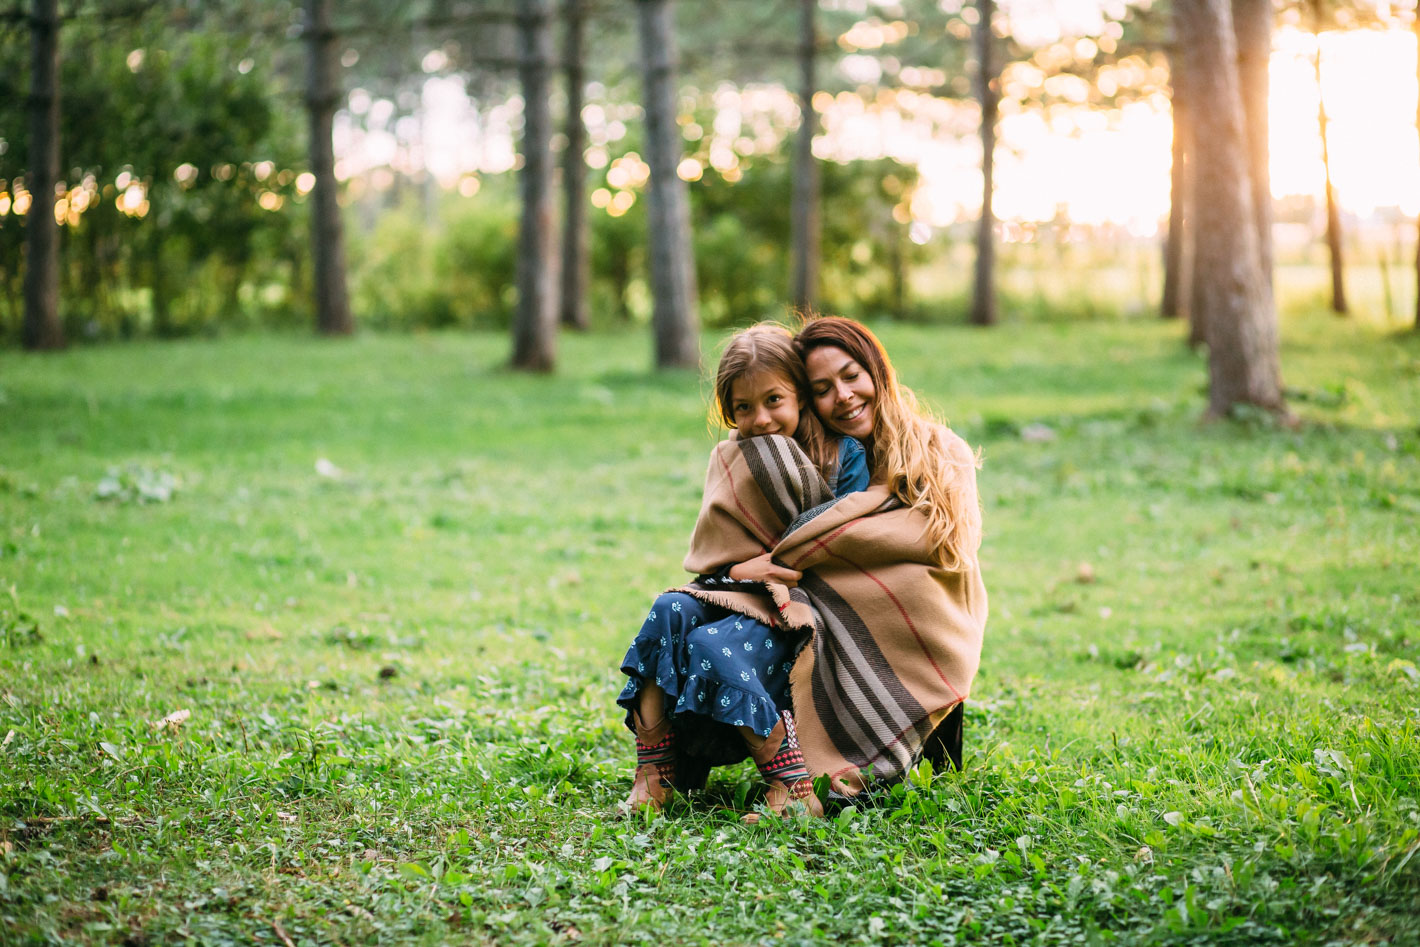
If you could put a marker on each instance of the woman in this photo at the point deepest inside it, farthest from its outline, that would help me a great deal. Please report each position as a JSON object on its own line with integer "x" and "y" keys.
{"x": 917, "y": 637}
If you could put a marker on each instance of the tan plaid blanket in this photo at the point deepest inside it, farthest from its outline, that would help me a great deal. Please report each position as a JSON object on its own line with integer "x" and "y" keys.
{"x": 895, "y": 640}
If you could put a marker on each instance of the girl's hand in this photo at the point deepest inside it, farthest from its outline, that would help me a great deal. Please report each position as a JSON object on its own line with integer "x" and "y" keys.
{"x": 763, "y": 569}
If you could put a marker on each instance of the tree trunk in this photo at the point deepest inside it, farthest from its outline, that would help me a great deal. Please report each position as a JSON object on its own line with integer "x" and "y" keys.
{"x": 1333, "y": 213}
{"x": 1229, "y": 291}
{"x": 983, "y": 298}
{"x": 535, "y": 324}
{"x": 327, "y": 231}
{"x": 42, "y": 328}
{"x": 805, "y": 215}
{"x": 161, "y": 298}
{"x": 1178, "y": 250}
{"x": 672, "y": 264}
{"x": 574, "y": 174}
{"x": 1252, "y": 24}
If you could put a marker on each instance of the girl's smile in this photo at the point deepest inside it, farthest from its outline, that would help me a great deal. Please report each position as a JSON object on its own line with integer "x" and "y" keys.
{"x": 844, "y": 394}
{"x": 764, "y": 403}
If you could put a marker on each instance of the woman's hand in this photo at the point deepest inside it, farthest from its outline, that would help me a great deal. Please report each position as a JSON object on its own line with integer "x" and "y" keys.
{"x": 763, "y": 569}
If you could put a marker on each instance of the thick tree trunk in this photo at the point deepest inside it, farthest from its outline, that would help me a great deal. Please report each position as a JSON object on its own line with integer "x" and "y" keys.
{"x": 983, "y": 297}
{"x": 1230, "y": 292}
{"x": 1178, "y": 251}
{"x": 327, "y": 232}
{"x": 1252, "y": 24}
{"x": 805, "y": 217}
{"x": 41, "y": 328}
{"x": 574, "y": 174}
{"x": 535, "y": 324}
{"x": 672, "y": 264}
{"x": 1333, "y": 213}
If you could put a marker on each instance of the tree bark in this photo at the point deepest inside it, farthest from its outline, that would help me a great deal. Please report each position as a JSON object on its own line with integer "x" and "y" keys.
{"x": 1230, "y": 291}
{"x": 327, "y": 231}
{"x": 535, "y": 324}
{"x": 1252, "y": 24}
{"x": 805, "y": 215}
{"x": 1333, "y": 213}
{"x": 672, "y": 264}
{"x": 1178, "y": 250}
{"x": 983, "y": 298}
{"x": 42, "y": 328}
{"x": 574, "y": 311}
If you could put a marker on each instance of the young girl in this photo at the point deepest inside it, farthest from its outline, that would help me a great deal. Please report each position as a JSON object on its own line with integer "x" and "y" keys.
{"x": 708, "y": 683}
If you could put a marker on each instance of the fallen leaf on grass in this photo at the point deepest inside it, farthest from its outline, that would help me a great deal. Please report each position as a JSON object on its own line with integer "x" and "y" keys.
{"x": 264, "y": 633}
{"x": 1085, "y": 574}
{"x": 173, "y": 720}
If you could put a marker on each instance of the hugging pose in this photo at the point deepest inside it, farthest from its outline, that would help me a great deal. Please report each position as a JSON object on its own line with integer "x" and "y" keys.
{"x": 837, "y": 615}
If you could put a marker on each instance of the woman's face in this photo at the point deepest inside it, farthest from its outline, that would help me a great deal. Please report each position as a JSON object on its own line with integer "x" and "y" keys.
{"x": 844, "y": 397}
{"x": 764, "y": 403}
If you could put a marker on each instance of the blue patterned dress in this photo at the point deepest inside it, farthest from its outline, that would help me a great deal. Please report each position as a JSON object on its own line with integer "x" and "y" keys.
{"x": 720, "y": 669}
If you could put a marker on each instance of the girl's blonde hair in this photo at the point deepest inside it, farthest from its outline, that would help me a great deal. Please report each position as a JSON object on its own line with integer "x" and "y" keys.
{"x": 769, "y": 347}
{"x": 921, "y": 461}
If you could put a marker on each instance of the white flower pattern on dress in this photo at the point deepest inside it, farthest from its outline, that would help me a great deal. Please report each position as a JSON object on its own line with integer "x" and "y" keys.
{"x": 727, "y": 652}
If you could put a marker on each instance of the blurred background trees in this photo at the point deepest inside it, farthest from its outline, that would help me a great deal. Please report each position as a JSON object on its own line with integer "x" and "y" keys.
{"x": 228, "y": 164}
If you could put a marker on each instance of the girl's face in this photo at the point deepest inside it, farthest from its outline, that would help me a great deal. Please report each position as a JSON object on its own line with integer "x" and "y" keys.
{"x": 764, "y": 403}
{"x": 844, "y": 396}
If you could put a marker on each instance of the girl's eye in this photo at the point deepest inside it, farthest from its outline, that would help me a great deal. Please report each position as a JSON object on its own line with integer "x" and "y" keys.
{"x": 851, "y": 375}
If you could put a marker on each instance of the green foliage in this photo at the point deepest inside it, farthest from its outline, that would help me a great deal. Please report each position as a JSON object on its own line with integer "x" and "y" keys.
{"x": 395, "y": 584}
{"x": 409, "y": 272}
{"x": 742, "y": 240}
{"x": 168, "y": 112}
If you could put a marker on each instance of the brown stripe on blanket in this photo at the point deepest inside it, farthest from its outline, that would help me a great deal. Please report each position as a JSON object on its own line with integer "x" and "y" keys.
{"x": 786, "y": 479}
{"x": 855, "y": 691}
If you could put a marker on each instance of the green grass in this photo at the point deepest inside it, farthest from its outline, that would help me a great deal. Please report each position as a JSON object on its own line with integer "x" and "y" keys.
{"x": 400, "y": 677}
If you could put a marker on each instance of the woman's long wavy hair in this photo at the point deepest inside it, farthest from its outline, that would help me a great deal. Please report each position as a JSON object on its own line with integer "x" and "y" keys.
{"x": 769, "y": 347}
{"x": 924, "y": 465}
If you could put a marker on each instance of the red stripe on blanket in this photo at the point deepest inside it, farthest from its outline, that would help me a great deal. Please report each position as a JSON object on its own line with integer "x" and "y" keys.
{"x": 765, "y": 544}
{"x": 823, "y": 544}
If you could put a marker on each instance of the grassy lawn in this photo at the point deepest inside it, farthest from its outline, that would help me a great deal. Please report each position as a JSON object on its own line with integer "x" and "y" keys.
{"x": 391, "y": 582}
